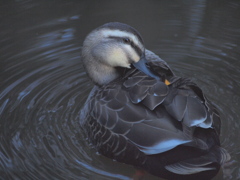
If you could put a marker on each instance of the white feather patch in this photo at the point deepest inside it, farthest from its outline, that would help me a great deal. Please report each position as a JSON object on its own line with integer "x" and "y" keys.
{"x": 186, "y": 168}
{"x": 163, "y": 146}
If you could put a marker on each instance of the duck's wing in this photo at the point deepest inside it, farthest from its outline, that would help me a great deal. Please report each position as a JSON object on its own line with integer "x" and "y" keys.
{"x": 150, "y": 114}
{"x": 186, "y": 101}
{"x": 114, "y": 108}
{"x": 155, "y": 115}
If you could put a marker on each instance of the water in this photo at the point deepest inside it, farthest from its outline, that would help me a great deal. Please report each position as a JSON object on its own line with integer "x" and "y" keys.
{"x": 43, "y": 85}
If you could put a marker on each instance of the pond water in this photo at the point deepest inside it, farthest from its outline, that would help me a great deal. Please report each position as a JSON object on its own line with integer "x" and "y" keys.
{"x": 43, "y": 85}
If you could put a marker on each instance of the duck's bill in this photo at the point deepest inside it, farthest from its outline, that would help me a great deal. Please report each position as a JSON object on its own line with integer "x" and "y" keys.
{"x": 141, "y": 65}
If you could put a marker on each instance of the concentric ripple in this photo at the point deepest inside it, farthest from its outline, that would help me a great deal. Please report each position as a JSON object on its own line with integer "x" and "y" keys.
{"x": 40, "y": 114}
{"x": 43, "y": 85}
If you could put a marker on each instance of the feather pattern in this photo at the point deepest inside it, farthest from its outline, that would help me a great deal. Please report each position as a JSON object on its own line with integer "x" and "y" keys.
{"x": 169, "y": 129}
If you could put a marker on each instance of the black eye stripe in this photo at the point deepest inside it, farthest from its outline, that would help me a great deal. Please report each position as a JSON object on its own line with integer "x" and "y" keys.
{"x": 128, "y": 41}
{"x": 137, "y": 49}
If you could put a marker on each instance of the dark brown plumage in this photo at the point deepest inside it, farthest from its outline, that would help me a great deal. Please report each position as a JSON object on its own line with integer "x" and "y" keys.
{"x": 164, "y": 125}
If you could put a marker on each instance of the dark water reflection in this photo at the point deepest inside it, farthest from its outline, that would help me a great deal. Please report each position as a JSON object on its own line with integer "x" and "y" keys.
{"x": 43, "y": 85}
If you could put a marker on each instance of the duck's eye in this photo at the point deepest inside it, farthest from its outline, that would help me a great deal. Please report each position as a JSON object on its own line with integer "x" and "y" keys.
{"x": 127, "y": 40}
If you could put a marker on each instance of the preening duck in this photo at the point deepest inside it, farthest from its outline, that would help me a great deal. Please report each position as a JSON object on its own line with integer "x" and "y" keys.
{"x": 140, "y": 113}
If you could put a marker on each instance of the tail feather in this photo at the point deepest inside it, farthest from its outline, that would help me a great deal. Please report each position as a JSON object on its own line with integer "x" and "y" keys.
{"x": 199, "y": 164}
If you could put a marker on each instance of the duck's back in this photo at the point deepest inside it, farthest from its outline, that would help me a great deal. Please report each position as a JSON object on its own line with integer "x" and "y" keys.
{"x": 165, "y": 126}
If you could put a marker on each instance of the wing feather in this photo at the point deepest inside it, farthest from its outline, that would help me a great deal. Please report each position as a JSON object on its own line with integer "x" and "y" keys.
{"x": 151, "y": 114}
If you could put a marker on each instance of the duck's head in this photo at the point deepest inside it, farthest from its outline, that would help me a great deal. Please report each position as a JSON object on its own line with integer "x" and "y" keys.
{"x": 111, "y": 47}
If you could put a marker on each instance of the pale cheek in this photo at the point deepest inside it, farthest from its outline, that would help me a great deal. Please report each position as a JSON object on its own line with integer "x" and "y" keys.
{"x": 117, "y": 57}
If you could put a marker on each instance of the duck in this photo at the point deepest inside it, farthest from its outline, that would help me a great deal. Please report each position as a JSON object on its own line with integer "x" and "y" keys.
{"x": 141, "y": 114}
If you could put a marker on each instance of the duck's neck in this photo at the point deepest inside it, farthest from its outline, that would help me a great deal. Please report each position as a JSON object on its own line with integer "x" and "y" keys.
{"x": 102, "y": 74}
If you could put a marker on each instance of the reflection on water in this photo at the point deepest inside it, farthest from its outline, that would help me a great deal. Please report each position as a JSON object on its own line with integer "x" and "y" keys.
{"x": 43, "y": 85}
